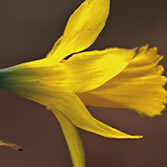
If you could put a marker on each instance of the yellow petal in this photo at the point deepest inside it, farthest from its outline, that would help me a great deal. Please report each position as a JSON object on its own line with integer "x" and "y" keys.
{"x": 89, "y": 70}
{"x": 139, "y": 87}
{"x": 73, "y": 109}
{"x": 82, "y": 72}
{"x": 73, "y": 140}
{"x": 82, "y": 29}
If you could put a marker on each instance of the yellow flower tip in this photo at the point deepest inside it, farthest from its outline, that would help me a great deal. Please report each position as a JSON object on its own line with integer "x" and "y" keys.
{"x": 144, "y": 47}
{"x": 159, "y": 71}
{"x": 133, "y": 137}
{"x": 138, "y": 137}
{"x": 151, "y": 50}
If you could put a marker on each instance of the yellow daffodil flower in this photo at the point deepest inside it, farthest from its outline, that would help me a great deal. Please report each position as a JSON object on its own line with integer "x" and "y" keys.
{"x": 114, "y": 77}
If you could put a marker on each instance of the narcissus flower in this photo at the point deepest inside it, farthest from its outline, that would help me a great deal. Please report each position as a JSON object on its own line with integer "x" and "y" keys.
{"x": 114, "y": 77}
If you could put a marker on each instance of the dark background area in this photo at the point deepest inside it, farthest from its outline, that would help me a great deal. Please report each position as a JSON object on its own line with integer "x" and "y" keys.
{"x": 28, "y": 29}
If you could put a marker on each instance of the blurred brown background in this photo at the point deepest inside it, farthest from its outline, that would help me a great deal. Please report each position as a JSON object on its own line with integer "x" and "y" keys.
{"x": 28, "y": 29}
